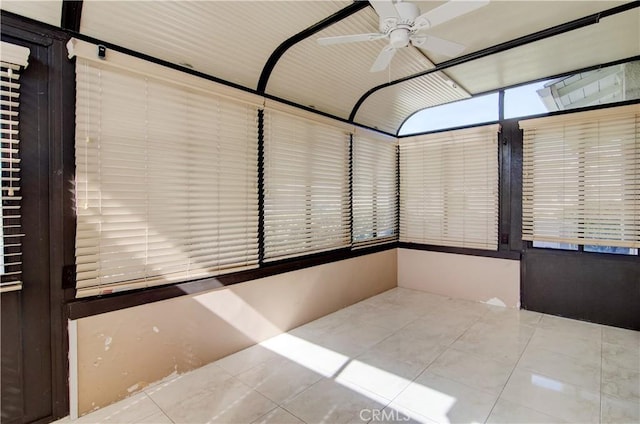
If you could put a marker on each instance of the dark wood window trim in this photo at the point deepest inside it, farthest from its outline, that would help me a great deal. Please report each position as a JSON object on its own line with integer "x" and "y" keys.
{"x": 56, "y": 159}
{"x": 500, "y": 254}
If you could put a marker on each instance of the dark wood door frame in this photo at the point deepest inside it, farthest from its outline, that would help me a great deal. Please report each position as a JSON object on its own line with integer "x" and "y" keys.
{"x": 47, "y": 133}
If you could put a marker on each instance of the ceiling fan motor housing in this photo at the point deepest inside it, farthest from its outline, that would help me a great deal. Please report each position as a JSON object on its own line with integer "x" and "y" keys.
{"x": 407, "y": 14}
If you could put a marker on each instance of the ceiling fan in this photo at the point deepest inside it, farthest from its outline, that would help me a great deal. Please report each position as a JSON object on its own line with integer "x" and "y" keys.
{"x": 402, "y": 23}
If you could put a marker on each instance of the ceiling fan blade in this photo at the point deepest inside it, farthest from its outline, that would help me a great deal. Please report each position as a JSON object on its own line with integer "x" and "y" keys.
{"x": 342, "y": 39}
{"x": 450, "y": 10}
{"x": 437, "y": 45}
{"x": 383, "y": 60}
{"x": 385, "y": 9}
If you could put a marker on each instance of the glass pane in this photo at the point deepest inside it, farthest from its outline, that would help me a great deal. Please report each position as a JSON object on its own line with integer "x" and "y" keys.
{"x": 612, "y": 84}
{"x": 475, "y": 110}
{"x": 555, "y": 245}
{"x": 611, "y": 249}
{"x": 524, "y": 100}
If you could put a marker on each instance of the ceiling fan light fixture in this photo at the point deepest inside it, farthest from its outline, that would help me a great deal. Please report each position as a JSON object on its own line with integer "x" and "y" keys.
{"x": 399, "y": 38}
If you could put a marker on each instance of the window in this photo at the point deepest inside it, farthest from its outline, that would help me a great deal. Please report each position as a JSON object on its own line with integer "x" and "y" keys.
{"x": 476, "y": 110}
{"x": 555, "y": 245}
{"x": 525, "y": 100}
{"x": 607, "y": 85}
{"x": 449, "y": 188}
{"x": 616, "y": 250}
{"x": 375, "y": 199}
{"x": 306, "y": 174}
{"x": 580, "y": 179}
{"x": 166, "y": 176}
{"x": 13, "y": 59}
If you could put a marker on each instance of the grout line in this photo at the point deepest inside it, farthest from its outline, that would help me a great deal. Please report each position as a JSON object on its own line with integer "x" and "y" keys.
{"x": 511, "y": 374}
{"x": 601, "y": 370}
{"x": 159, "y": 407}
{"x": 268, "y": 412}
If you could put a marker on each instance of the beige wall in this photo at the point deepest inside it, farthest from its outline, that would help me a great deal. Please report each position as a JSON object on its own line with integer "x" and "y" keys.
{"x": 121, "y": 352}
{"x": 482, "y": 279}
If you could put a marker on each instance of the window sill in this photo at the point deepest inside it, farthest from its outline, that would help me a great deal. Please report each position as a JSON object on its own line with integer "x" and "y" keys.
{"x": 86, "y": 307}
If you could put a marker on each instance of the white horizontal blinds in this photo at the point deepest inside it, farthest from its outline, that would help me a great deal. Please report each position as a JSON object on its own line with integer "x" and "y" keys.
{"x": 13, "y": 59}
{"x": 374, "y": 185}
{"x": 166, "y": 181}
{"x": 581, "y": 178}
{"x": 449, "y": 188}
{"x": 306, "y": 177}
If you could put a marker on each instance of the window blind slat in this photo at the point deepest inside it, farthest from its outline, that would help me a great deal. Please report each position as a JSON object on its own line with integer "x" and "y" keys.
{"x": 166, "y": 181}
{"x": 375, "y": 174}
{"x": 306, "y": 207}
{"x": 449, "y": 188}
{"x": 581, "y": 178}
{"x": 13, "y": 59}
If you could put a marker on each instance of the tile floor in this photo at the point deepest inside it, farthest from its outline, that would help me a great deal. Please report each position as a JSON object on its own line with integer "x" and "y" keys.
{"x": 408, "y": 356}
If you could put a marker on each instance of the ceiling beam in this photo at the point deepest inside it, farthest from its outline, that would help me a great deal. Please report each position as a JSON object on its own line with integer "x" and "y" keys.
{"x": 313, "y": 29}
{"x": 71, "y": 15}
{"x": 499, "y": 48}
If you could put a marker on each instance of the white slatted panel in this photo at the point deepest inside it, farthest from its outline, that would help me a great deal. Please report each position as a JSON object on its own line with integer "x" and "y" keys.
{"x": 231, "y": 40}
{"x": 47, "y": 11}
{"x": 332, "y": 78}
{"x": 387, "y": 109}
{"x": 306, "y": 178}
{"x": 375, "y": 193}
{"x": 581, "y": 180}
{"x": 612, "y": 38}
{"x": 449, "y": 188}
{"x": 477, "y": 30}
{"x": 13, "y": 59}
{"x": 166, "y": 181}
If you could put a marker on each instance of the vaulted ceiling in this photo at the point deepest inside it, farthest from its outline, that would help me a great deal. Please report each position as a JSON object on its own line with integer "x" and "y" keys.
{"x": 270, "y": 47}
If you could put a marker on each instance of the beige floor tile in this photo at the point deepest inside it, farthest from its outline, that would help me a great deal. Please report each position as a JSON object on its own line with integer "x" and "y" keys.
{"x": 618, "y": 411}
{"x": 407, "y": 298}
{"x": 405, "y": 347}
{"x": 621, "y": 382}
{"x": 383, "y": 359}
{"x": 445, "y": 401}
{"x": 378, "y": 381}
{"x": 157, "y": 418}
{"x": 501, "y": 343}
{"x": 278, "y": 416}
{"x": 509, "y": 316}
{"x": 396, "y": 414}
{"x": 472, "y": 370}
{"x": 330, "y": 402}
{"x": 279, "y": 379}
{"x": 188, "y": 385}
{"x": 585, "y": 350}
{"x": 245, "y": 359}
{"x": 565, "y": 401}
{"x": 313, "y": 356}
{"x": 393, "y": 317}
{"x": 621, "y": 337}
{"x": 230, "y": 402}
{"x": 462, "y": 307}
{"x": 561, "y": 367}
{"x": 621, "y": 356}
{"x": 354, "y": 340}
{"x": 131, "y": 410}
{"x": 572, "y": 327}
{"x": 506, "y": 412}
{"x": 440, "y": 329}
